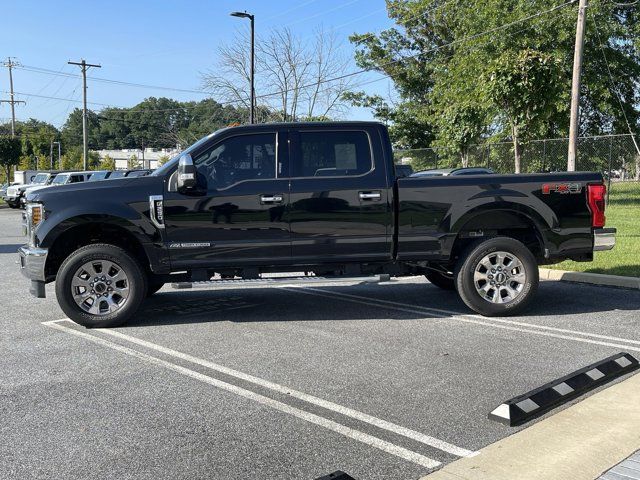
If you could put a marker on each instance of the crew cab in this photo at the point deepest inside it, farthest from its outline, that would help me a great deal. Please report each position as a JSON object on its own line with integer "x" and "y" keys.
{"x": 322, "y": 198}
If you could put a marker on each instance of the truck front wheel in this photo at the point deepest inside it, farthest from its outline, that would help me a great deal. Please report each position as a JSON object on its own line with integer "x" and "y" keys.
{"x": 496, "y": 277}
{"x": 100, "y": 286}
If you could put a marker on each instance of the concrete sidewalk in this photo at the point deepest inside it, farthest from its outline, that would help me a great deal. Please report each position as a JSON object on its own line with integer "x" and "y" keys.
{"x": 579, "y": 443}
{"x": 592, "y": 278}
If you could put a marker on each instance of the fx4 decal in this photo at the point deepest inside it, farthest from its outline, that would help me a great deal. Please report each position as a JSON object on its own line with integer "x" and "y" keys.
{"x": 548, "y": 188}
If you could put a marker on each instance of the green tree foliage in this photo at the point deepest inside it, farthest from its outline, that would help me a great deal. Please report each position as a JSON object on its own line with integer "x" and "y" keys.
{"x": 154, "y": 122}
{"x": 458, "y": 85}
{"x": 72, "y": 159}
{"x": 133, "y": 162}
{"x": 10, "y": 151}
{"x": 523, "y": 87}
{"x": 107, "y": 163}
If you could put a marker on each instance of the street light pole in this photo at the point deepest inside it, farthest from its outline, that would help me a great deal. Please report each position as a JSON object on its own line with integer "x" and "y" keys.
{"x": 252, "y": 118}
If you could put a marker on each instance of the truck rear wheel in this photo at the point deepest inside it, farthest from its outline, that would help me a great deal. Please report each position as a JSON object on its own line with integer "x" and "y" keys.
{"x": 100, "y": 286}
{"x": 496, "y": 277}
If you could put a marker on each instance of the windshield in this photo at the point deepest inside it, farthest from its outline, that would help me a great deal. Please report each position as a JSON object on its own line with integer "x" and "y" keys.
{"x": 138, "y": 173}
{"x": 117, "y": 174}
{"x": 40, "y": 178}
{"x": 60, "y": 180}
{"x": 98, "y": 176}
{"x": 171, "y": 163}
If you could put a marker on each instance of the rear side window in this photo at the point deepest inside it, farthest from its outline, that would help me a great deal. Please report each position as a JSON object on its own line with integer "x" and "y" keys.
{"x": 332, "y": 154}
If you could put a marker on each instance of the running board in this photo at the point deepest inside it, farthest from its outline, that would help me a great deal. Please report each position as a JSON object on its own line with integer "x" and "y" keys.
{"x": 281, "y": 281}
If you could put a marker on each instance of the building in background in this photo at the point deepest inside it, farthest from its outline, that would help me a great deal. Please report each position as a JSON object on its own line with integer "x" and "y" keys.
{"x": 147, "y": 158}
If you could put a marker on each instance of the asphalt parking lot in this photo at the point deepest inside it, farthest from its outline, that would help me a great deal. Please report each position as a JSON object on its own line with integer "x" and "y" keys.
{"x": 381, "y": 381}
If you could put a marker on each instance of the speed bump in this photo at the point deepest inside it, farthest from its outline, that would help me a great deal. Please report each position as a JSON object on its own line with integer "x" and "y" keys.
{"x": 524, "y": 407}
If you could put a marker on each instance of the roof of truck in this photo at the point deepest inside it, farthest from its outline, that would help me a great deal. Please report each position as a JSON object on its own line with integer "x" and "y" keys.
{"x": 351, "y": 123}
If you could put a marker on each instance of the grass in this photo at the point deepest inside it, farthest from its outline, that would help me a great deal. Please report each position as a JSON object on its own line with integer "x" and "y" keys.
{"x": 623, "y": 212}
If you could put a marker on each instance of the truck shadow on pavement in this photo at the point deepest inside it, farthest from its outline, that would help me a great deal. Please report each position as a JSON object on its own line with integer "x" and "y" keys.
{"x": 246, "y": 305}
{"x": 10, "y": 248}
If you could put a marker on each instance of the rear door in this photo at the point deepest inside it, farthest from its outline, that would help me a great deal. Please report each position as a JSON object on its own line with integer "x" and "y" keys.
{"x": 339, "y": 207}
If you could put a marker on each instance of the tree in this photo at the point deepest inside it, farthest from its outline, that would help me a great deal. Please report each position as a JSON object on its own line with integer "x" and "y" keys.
{"x": 133, "y": 162}
{"x": 442, "y": 57}
{"x": 10, "y": 151}
{"x": 72, "y": 129}
{"x": 524, "y": 86}
{"x": 107, "y": 163}
{"x": 163, "y": 159}
{"x": 72, "y": 159}
{"x": 294, "y": 78}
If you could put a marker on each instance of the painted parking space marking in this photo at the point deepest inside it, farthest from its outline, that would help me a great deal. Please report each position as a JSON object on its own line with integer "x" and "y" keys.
{"x": 348, "y": 412}
{"x": 456, "y": 316}
{"x": 332, "y": 425}
{"x": 491, "y": 319}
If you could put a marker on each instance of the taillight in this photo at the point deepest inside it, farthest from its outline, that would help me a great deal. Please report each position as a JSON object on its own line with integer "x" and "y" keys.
{"x": 596, "y": 195}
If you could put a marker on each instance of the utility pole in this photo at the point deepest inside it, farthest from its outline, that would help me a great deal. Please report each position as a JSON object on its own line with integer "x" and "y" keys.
{"x": 85, "y": 140}
{"x": 12, "y": 101}
{"x": 574, "y": 125}
{"x": 59, "y": 154}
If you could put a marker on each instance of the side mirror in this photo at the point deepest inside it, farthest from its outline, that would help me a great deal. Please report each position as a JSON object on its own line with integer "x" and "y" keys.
{"x": 187, "y": 174}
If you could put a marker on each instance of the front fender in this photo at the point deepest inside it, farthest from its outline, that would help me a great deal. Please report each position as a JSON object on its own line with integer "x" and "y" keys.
{"x": 132, "y": 217}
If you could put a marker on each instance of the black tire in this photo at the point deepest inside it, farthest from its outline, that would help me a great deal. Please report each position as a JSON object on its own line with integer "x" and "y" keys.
{"x": 470, "y": 262}
{"x": 153, "y": 285}
{"x": 440, "y": 280}
{"x": 13, "y": 204}
{"x": 137, "y": 285}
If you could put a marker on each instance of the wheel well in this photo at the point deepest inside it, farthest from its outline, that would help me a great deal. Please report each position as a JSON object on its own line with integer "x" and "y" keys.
{"x": 504, "y": 224}
{"x": 90, "y": 233}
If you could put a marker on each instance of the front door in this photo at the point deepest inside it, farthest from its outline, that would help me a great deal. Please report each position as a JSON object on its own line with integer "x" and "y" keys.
{"x": 239, "y": 216}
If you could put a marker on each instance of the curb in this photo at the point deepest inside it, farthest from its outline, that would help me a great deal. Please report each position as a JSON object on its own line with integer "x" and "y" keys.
{"x": 578, "y": 443}
{"x": 592, "y": 278}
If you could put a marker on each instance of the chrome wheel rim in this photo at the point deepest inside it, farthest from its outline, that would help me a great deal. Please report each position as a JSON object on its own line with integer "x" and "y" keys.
{"x": 499, "y": 277}
{"x": 100, "y": 287}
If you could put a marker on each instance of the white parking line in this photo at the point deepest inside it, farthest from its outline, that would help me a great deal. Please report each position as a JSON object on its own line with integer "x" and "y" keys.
{"x": 357, "y": 435}
{"x": 491, "y": 319}
{"x": 488, "y": 322}
{"x": 363, "y": 417}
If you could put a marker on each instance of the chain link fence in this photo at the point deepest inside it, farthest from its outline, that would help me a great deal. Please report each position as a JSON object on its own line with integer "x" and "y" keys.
{"x": 615, "y": 156}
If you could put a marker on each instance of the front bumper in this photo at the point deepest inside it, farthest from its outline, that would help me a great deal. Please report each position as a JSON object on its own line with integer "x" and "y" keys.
{"x": 604, "y": 239}
{"x": 32, "y": 265}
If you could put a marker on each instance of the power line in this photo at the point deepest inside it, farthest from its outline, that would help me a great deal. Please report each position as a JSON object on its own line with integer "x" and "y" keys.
{"x": 47, "y": 71}
{"x": 613, "y": 84}
{"x": 347, "y": 75}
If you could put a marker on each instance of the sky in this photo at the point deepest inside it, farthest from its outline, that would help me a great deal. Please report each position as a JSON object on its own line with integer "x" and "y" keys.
{"x": 160, "y": 43}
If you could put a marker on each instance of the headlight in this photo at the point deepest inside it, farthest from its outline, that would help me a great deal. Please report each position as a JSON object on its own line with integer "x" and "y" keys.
{"x": 34, "y": 215}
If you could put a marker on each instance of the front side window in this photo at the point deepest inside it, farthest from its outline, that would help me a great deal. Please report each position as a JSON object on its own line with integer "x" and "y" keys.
{"x": 237, "y": 159}
{"x": 333, "y": 154}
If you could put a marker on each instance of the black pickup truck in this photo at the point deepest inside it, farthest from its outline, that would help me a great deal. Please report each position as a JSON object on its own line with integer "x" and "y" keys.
{"x": 321, "y": 198}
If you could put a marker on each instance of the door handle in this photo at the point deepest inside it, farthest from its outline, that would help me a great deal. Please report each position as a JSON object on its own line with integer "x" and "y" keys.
{"x": 275, "y": 198}
{"x": 371, "y": 196}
